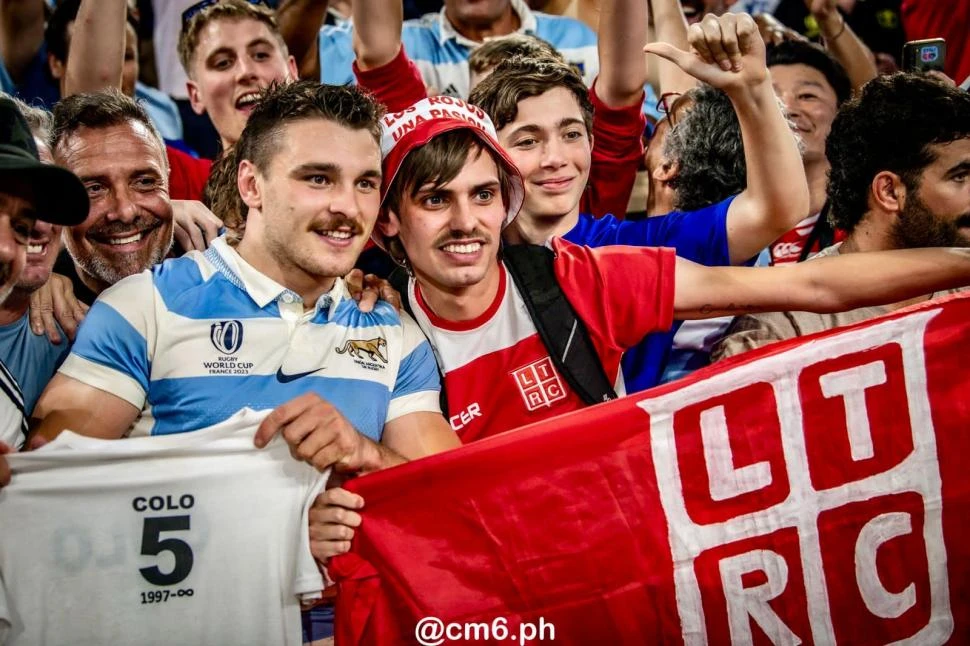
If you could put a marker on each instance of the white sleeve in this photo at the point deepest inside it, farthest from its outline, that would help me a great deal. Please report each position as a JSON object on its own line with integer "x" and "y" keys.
{"x": 418, "y": 382}
{"x": 307, "y": 581}
{"x": 11, "y": 425}
{"x": 116, "y": 342}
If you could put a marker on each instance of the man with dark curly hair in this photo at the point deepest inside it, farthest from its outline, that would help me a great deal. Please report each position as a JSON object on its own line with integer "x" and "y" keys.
{"x": 900, "y": 179}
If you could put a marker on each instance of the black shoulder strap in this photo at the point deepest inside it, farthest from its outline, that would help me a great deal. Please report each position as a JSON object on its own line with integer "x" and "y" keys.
{"x": 399, "y": 281}
{"x": 563, "y": 333}
{"x": 823, "y": 234}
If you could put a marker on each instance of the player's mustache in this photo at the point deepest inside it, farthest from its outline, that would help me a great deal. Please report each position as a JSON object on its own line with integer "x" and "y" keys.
{"x": 332, "y": 224}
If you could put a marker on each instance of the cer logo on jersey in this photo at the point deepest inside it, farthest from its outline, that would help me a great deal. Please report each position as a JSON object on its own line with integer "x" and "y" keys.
{"x": 226, "y": 336}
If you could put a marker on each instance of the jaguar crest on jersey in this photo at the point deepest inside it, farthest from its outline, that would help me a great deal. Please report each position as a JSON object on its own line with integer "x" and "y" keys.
{"x": 366, "y": 352}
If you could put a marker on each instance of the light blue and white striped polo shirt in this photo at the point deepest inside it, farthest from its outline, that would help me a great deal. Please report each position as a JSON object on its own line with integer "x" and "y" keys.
{"x": 441, "y": 53}
{"x": 195, "y": 339}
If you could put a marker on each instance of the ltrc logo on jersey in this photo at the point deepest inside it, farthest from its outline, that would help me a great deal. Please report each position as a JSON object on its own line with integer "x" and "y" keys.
{"x": 539, "y": 384}
{"x": 226, "y": 336}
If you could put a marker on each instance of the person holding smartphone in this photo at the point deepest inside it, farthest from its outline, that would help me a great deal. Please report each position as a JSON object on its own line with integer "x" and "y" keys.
{"x": 900, "y": 179}
{"x": 925, "y": 19}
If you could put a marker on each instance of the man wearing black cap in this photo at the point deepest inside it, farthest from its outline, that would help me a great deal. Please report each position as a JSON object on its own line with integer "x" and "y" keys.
{"x": 29, "y": 190}
{"x": 31, "y": 356}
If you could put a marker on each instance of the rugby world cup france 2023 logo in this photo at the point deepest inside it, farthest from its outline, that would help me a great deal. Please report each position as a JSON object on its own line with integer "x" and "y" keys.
{"x": 226, "y": 336}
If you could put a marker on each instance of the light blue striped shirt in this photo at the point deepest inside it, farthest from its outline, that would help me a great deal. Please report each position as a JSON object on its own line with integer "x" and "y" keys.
{"x": 441, "y": 53}
{"x": 195, "y": 339}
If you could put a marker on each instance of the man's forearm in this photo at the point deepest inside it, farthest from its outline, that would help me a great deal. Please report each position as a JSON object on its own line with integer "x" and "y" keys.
{"x": 824, "y": 285}
{"x": 376, "y": 456}
{"x": 299, "y": 23}
{"x": 670, "y": 26}
{"x": 861, "y": 279}
{"x": 21, "y": 34}
{"x": 377, "y": 31}
{"x": 848, "y": 49}
{"x": 97, "y": 55}
{"x": 776, "y": 184}
{"x": 623, "y": 68}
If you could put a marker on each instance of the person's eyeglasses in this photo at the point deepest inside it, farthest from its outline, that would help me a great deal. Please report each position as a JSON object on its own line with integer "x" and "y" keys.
{"x": 667, "y": 105}
{"x": 199, "y": 6}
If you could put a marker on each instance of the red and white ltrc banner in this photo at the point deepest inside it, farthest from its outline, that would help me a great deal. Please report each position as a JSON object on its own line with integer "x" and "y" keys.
{"x": 814, "y": 492}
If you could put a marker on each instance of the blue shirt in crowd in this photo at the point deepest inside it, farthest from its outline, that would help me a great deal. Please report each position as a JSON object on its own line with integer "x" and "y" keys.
{"x": 699, "y": 236}
{"x": 32, "y": 359}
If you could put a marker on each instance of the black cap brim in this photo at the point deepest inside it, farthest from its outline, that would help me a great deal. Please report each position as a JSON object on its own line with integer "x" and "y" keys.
{"x": 59, "y": 196}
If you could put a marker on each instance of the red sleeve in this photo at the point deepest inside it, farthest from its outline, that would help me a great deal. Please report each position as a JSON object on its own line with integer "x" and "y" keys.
{"x": 187, "y": 175}
{"x": 617, "y": 152}
{"x": 621, "y": 293}
{"x": 398, "y": 84}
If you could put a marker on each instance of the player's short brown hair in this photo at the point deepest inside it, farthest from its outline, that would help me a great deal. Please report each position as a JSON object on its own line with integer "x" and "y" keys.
{"x": 521, "y": 78}
{"x": 260, "y": 141}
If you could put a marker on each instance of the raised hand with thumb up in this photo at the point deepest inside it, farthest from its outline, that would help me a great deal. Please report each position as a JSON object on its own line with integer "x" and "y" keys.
{"x": 725, "y": 51}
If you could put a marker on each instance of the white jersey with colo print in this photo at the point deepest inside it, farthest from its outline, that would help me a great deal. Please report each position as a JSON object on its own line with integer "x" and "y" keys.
{"x": 192, "y": 538}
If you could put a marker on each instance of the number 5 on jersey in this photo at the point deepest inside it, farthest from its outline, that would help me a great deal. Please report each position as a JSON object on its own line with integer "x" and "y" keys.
{"x": 152, "y": 544}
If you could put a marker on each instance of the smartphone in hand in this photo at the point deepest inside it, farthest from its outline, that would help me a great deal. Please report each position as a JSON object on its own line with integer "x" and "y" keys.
{"x": 924, "y": 55}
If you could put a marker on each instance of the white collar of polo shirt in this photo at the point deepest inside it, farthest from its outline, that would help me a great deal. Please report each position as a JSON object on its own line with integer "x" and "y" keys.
{"x": 264, "y": 290}
{"x": 447, "y": 31}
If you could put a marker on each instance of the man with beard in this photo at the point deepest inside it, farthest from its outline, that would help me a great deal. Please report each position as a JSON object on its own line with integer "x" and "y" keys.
{"x": 29, "y": 190}
{"x": 108, "y": 141}
{"x": 900, "y": 179}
